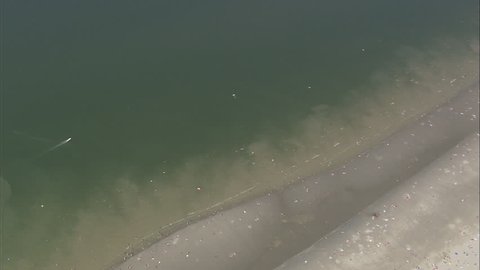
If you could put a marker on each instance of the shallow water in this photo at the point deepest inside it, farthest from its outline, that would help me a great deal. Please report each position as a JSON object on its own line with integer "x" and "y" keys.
{"x": 176, "y": 108}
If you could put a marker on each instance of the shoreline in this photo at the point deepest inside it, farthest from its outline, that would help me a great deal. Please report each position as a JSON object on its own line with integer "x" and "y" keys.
{"x": 292, "y": 209}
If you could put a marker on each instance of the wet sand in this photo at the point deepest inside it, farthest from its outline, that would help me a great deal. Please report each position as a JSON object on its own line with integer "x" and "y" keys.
{"x": 429, "y": 221}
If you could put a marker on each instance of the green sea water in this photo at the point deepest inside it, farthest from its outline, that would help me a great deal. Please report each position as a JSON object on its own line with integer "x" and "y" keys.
{"x": 190, "y": 99}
